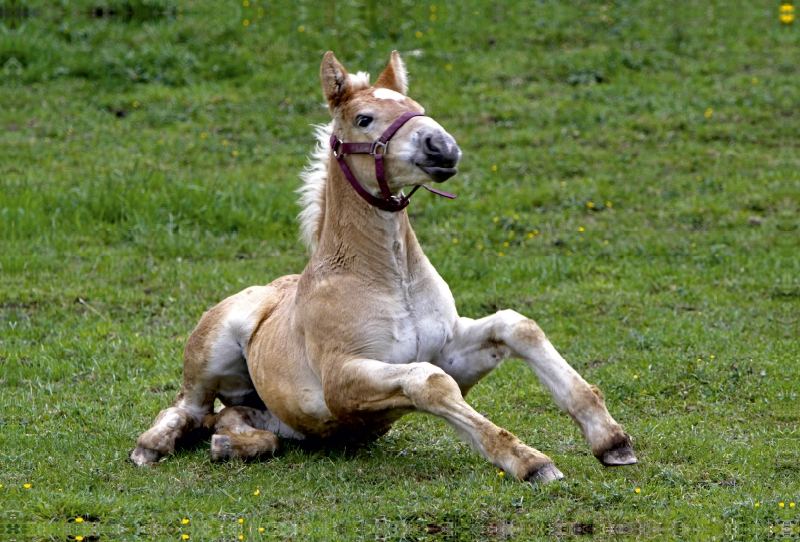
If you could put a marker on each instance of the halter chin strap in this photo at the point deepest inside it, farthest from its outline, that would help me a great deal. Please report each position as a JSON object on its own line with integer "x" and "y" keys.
{"x": 377, "y": 149}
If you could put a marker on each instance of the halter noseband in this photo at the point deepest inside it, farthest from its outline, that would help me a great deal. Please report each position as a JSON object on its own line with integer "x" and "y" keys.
{"x": 377, "y": 149}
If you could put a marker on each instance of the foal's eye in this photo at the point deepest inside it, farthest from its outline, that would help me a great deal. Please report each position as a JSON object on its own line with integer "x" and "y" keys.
{"x": 362, "y": 121}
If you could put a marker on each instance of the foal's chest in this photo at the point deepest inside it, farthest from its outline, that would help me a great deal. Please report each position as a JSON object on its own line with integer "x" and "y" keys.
{"x": 423, "y": 321}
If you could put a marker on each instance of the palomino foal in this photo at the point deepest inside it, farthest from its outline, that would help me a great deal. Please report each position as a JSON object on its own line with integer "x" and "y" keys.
{"x": 369, "y": 331}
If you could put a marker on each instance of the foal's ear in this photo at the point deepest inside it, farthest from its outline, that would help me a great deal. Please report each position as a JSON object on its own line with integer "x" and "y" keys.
{"x": 334, "y": 80}
{"x": 394, "y": 77}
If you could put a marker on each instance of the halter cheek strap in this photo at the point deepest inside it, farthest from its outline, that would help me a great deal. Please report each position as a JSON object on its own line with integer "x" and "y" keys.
{"x": 377, "y": 149}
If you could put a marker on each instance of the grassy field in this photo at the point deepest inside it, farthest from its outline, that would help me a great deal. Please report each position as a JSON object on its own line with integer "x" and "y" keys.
{"x": 630, "y": 180}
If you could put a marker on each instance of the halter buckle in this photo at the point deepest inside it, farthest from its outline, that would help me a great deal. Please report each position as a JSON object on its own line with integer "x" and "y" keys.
{"x": 378, "y": 144}
{"x": 336, "y": 144}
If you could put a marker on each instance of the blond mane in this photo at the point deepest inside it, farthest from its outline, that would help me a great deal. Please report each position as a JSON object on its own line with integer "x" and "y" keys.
{"x": 315, "y": 175}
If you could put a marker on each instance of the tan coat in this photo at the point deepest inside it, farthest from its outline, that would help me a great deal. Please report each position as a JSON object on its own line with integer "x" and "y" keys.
{"x": 369, "y": 331}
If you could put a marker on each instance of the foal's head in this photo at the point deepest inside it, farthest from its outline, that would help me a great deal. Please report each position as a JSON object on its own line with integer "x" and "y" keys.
{"x": 421, "y": 151}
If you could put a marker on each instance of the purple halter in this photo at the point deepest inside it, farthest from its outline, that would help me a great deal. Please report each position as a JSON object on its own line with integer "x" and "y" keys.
{"x": 377, "y": 149}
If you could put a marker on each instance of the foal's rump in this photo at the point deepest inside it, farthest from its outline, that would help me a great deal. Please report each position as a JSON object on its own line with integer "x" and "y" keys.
{"x": 217, "y": 351}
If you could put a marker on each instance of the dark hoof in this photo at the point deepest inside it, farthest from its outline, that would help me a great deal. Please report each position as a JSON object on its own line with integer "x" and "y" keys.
{"x": 143, "y": 456}
{"x": 221, "y": 448}
{"x": 548, "y": 473}
{"x": 618, "y": 457}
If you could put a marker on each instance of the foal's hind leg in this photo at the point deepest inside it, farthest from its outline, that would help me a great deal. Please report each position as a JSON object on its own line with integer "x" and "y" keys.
{"x": 213, "y": 366}
{"x": 178, "y": 422}
{"x": 480, "y": 345}
{"x": 239, "y": 433}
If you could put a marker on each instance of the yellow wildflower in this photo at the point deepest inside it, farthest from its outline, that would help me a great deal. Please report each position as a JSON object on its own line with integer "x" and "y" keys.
{"x": 495, "y": 219}
{"x": 27, "y": 486}
{"x": 79, "y": 538}
{"x": 241, "y": 520}
{"x": 590, "y": 205}
{"x": 494, "y": 168}
{"x": 257, "y": 492}
{"x": 418, "y": 34}
{"x": 500, "y": 473}
{"x": 185, "y": 536}
{"x": 184, "y": 521}
{"x": 301, "y": 28}
{"x": 609, "y": 204}
{"x": 787, "y": 13}
{"x": 135, "y": 104}
{"x": 638, "y": 490}
{"x": 78, "y": 520}
{"x": 580, "y": 228}
{"x": 757, "y": 504}
{"x": 224, "y": 142}
{"x": 246, "y": 3}
{"x": 433, "y": 16}
{"x": 433, "y": 8}
{"x": 235, "y": 153}
{"x": 780, "y": 504}
{"x": 448, "y": 67}
{"x": 505, "y": 244}
{"x": 455, "y": 241}
{"x": 246, "y": 22}
{"x": 160, "y": 141}
{"x": 261, "y": 529}
{"x": 708, "y": 112}
{"x": 203, "y": 135}
{"x": 754, "y": 80}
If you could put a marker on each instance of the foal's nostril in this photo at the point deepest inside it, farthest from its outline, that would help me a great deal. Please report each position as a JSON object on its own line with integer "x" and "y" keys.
{"x": 431, "y": 147}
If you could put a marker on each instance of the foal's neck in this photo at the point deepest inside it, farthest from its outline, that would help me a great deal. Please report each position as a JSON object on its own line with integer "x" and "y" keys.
{"x": 360, "y": 238}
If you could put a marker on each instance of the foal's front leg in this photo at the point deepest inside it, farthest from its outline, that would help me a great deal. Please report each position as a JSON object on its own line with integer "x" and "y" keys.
{"x": 359, "y": 389}
{"x": 480, "y": 345}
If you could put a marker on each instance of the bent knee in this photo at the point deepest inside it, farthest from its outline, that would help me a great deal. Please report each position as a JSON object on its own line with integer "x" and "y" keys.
{"x": 429, "y": 385}
{"x": 527, "y": 331}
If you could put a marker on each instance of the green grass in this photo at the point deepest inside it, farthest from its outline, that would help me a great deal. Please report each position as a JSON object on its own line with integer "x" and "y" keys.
{"x": 120, "y": 223}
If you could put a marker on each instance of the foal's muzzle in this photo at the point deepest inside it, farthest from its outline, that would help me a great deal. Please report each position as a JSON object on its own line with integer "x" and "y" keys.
{"x": 439, "y": 155}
